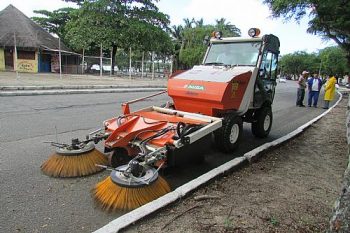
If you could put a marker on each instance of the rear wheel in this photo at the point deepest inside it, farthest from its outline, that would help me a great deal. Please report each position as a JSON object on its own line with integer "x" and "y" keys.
{"x": 263, "y": 121}
{"x": 227, "y": 138}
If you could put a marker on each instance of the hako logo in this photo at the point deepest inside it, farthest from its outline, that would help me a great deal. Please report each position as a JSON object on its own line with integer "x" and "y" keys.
{"x": 194, "y": 87}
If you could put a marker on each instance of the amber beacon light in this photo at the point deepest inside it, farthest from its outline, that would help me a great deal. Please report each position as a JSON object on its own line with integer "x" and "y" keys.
{"x": 254, "y": 32}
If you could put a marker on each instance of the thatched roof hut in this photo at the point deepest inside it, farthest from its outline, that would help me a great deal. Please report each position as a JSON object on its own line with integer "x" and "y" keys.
{"x": 28, "y": 34}
{"x": 36, "y": 49}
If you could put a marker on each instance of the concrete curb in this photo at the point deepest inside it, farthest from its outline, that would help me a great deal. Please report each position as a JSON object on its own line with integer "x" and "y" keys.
{"x": 141, "y": 212}
{"x": 340, "y": 218}
{"x": 75, "y": 87}
{"x": 82, "y": 91}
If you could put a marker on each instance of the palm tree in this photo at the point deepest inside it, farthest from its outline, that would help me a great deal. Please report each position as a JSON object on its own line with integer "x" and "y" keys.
{"x": 199, "y": 23}
{"x": 188, "y": 22}
{"x": 176, "y": 32}
{"x": 231, "y": 29}
{"x": 177, "y": 35}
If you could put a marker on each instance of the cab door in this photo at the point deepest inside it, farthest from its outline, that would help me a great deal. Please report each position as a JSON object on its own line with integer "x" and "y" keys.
{"x": 266, "y": 80}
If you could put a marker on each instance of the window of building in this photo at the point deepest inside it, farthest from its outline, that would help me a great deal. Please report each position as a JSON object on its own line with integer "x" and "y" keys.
{"x": 26, "y": 55}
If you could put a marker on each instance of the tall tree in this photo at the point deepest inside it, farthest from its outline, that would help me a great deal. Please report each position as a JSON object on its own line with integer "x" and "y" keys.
{"x": 176, "y": 33}
{"x": 227, "y": 27}
{"x": 329, "y": 18}
{"x": 333, "y": 61}
{"x": 297, "y": 62}
{"x": 117, "y": 23}
{"x": 78, "y": 2}
{"x": 188, "y": 22}
{"x": 330, "y": 60}
{"x": 192, "y": 49}
{"x": 55, "y": 21}
{"x": 199, "y": 23}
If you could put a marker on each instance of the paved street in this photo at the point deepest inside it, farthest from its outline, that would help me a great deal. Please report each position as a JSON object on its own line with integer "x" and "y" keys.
{"x": 33, "y": 202}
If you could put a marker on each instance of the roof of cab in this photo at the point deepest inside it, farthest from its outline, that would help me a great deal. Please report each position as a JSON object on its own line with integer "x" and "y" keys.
{"x": 236, "y": 39}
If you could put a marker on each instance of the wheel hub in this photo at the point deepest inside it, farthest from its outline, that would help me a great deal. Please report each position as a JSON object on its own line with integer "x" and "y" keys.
{"x": 81, "y": 149}
{"x": 125, "y": 178}
{"x": 234, "y": 133}
{"x": 267, "y": 122}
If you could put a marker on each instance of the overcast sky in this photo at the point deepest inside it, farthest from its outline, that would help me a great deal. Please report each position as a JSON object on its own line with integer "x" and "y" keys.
{"x": 242, "y": 13}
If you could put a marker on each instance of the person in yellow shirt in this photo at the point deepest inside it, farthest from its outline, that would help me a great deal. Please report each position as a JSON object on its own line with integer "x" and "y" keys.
{"x": 329, "y": 91}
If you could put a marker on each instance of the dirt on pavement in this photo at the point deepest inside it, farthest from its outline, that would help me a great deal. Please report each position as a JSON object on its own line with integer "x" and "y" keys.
{"x": 292, "y": 188}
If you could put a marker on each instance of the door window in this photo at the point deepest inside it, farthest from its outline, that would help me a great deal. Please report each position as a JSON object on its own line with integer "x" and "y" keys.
{"x": 268, "y": 69}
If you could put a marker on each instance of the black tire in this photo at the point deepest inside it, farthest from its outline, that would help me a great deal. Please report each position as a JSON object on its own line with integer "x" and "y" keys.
{"x": 263, "y": 121}
{"x": 119, "y": 157}
{"x": 228, "y": 137}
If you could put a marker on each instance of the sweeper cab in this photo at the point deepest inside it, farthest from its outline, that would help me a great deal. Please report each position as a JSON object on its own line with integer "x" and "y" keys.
{"x": 234, "y": 84}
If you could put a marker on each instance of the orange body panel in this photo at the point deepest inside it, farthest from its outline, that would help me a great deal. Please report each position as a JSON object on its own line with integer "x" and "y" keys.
{"x": 143, "y": 125}
{"x": 208, "y": 98}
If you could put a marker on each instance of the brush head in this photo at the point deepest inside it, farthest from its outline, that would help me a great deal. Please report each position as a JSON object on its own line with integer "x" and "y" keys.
{"x": 115, "y": 193}
{"x": 74, "y": 164}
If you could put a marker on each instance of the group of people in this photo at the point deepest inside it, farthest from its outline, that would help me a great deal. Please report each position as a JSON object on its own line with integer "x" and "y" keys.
{"x": 313, "y": 85}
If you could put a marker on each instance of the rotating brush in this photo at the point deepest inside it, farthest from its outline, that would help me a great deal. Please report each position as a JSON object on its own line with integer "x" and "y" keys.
{"x": 74, "y": 162}
{"x": 123, "y": 191}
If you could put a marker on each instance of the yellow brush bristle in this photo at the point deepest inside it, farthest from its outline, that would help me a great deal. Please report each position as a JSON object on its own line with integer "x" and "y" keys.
{"x": 114, "y": 197}
{"x": 74, "y": 165}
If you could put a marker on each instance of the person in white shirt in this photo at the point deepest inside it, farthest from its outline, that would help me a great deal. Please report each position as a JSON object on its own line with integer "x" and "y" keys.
{"x": 314, "y": 87}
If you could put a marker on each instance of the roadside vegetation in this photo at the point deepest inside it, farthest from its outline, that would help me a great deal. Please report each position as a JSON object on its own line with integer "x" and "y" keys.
{"x": 331, "y": 60}
{"x": 329, "y": 19}
{"x": 138, "y": 26}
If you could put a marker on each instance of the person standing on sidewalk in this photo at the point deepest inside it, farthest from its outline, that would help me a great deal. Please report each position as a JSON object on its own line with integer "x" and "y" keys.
{"x": 301, "y": 88}
{"x": 314, "y": 86}
{"x": 329, "y": 91}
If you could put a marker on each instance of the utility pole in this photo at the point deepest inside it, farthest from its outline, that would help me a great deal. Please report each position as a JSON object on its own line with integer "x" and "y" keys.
{"x": 130, "y": 64}
{"x": 15, "y": 54}
{"x": 153, "y": 65}
{"x": 143, "y": 60}
{"x": 110, "y": 73}
{"x": 171, "y": 65}
{"x": 101, "y": 64}
{"x": 59, "y": 56}
{"x": 83, "y": 62}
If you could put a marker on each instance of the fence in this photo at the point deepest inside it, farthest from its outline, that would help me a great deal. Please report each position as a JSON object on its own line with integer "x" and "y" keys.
{"x": 126, "y": 66}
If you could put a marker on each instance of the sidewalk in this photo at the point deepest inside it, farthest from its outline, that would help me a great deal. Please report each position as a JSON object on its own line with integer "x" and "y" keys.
{"x": 51, "y": 84}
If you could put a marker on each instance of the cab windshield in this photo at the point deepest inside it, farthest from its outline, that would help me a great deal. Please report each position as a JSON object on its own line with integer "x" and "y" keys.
{"x": 233, "y": 54}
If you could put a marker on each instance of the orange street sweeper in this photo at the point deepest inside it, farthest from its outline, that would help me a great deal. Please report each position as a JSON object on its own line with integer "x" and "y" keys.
{"x": 234, "y": 84}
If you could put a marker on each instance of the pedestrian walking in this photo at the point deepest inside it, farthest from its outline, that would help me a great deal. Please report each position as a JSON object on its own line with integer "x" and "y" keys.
{"x": 314, "y": 87}
{"x": 329, "y": 91}
{"x": 301, "y": 88}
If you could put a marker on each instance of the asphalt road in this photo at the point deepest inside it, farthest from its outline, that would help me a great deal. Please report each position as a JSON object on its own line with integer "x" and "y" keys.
{"x": 33, "y": 202}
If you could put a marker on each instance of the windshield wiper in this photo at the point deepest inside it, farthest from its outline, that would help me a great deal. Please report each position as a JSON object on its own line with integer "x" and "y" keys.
{"x": 214, "y": 63}
{"x": 234, "y": 65}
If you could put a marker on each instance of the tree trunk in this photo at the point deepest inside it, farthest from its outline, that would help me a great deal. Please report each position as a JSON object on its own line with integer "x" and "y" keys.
{"x": 114, "y": 52}
{"x": 348, "y": 58}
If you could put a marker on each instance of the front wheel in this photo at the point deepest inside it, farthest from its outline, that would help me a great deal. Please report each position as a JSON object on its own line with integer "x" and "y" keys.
{"x": 261, "y": 127}
{"x": 227, "y": 138}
